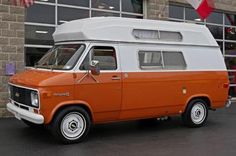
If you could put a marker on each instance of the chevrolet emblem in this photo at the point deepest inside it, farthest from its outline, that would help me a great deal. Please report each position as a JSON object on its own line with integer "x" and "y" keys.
{"x": 17, "y": 94}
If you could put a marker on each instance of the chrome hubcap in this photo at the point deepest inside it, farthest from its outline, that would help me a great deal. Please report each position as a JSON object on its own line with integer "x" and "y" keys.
{"x": 198, "y": 113}
{"x": 73, "y": 125}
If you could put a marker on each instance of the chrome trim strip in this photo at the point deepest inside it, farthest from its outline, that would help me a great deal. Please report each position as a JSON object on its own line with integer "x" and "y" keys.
{"x": 21, "y": 104}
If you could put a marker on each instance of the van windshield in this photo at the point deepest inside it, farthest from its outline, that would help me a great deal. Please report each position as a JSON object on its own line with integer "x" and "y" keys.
{"x": 61, "y": 57}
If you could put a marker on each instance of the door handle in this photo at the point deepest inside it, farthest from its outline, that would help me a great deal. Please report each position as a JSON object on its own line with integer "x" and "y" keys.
{"x": 115, "y": 77}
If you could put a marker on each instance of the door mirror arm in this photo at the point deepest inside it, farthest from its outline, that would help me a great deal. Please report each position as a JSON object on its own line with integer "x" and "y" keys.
{"x": 94, "y": 67}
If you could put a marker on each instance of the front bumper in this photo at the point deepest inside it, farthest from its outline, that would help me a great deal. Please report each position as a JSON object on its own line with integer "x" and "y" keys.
{"x": 24, "y": 114}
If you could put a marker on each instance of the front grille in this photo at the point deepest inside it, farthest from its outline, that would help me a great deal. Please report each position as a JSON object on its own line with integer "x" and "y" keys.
{"x": 20, "y": 95}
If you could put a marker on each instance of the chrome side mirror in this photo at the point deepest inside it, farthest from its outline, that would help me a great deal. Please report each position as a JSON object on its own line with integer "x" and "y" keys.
{"x": 94, "y": 67}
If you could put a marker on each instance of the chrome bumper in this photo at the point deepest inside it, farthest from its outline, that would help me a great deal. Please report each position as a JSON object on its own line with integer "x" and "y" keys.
{"x": 229, "y": 102}
{"x": 24, "y": 114}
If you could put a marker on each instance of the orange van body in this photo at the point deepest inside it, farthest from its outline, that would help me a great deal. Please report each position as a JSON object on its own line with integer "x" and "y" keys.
{"x": 141, "y": 95}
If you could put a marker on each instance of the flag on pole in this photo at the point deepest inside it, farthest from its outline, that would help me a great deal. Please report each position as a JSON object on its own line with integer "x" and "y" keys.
{"x": 25, "y": 3}
{"x": 203, "y": 7}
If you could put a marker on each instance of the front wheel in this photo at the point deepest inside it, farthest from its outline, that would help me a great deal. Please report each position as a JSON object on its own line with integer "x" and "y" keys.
{"x": 71, "y": 125}
{"x": 196, "y": 113}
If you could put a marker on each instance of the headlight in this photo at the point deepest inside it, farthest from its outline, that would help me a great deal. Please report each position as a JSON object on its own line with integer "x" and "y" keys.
{"x": 34, "y": 98}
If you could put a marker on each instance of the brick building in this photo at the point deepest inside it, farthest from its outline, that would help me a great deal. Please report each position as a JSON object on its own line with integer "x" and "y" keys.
{"x": 25, "y": 34}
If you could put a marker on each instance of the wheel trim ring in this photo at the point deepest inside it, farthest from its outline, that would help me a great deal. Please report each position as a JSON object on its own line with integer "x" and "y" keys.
{"x": 64, "y": 123}
{"x": 198, "y": 108}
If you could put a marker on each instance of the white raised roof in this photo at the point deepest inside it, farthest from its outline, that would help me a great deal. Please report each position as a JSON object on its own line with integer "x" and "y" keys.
{"x": 120, "y": 30}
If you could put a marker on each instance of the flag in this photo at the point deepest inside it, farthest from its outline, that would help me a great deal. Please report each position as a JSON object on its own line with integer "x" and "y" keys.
{"x": 203, "y": 7}
{"x": 25, "y": 3}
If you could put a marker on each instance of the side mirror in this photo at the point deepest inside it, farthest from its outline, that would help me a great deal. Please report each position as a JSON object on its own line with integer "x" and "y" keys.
{"x": 94, "y": 67}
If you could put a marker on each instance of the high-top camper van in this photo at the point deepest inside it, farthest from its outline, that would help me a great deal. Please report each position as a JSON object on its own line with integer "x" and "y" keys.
{"x": 109, "y": 69}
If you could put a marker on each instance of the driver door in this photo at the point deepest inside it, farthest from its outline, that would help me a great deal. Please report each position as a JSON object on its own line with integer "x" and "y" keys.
{"x": 102, "y": 92}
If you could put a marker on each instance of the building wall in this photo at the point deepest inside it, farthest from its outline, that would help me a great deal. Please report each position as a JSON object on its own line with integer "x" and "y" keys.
{"x": 11, "y": 46}
{"x": 157, "y": 9}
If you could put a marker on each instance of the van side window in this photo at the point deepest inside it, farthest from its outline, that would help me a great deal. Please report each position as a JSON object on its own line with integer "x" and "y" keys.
{"x": 168, "y": 60}
{"x": 150, "y": 59}
{"x": 105, "y": 55}
{"x": 173, "y": 60}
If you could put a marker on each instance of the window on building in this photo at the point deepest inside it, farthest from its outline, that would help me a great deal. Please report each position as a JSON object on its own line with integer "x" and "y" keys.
{"x": 230, "y": 19}
{"x": 215, "y": 17}
{"x": 176, "y": 12}
{"x": 106, "y": 4}
{"x": 230, "y": 48}
{"x": 191, "y": 14}
{"x": 68, "y": 14}
{"x": 221, "y": 45}
{"x": 39, "y": 35}
{"x": 232, "y": 90}
{"x": 133, "y": 6}
{"x": 217, "y": 31}
{"x": 33, "y": 55}
{"x": 105, "y": 14}
{"x": 82, "y": 3}
{"x": 39, "y": 13}
{"x": 48, "y": 1}
{"x": 131, "y": 16}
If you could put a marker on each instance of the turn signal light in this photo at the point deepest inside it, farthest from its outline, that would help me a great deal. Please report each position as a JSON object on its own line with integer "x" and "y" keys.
{"x": 36, "y": 111}
{"x": 226, "y": 85}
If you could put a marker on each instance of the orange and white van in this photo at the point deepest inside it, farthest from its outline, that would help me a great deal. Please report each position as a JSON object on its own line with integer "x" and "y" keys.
{"x": 108, "y": 69}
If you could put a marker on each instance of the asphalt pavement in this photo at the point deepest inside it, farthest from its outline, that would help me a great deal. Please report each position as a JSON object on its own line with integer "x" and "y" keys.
{"x": 132, "y": 138}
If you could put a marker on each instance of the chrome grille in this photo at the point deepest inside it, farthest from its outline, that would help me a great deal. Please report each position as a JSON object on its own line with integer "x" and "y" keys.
{"x": 20, "y": 95}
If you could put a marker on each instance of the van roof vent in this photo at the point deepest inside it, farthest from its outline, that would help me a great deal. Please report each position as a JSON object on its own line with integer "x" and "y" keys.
{"x": 157, "y": 35}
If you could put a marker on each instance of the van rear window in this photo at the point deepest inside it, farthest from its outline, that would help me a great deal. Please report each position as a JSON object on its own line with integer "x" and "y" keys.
{"x": 168, "y": 60}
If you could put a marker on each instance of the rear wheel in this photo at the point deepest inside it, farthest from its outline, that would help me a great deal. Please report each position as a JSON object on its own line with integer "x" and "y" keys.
{"x": 196, "y": 113}
{"x": 71, "y": 125}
